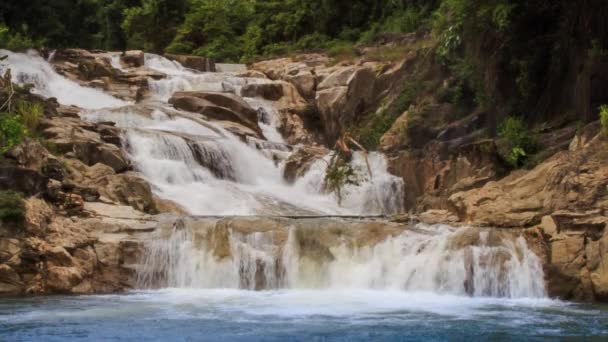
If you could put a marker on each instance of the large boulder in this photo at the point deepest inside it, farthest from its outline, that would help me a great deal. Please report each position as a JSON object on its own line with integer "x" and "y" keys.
{"x": 129, "y": 189}
{"x": 343, "y": 96}
{"x": 218, "y": 106}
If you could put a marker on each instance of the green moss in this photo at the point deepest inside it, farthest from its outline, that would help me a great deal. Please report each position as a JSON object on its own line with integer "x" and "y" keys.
{"x": 12, "y": 206}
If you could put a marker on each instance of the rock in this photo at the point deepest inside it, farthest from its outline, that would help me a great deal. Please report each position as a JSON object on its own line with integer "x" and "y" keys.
{"x": 193, "y": 62}
{"x": 8, "y": 248}
{"x": 128, "y": 189}
{"x": 218, "y": 106}
{"x": 93, "y": 153}
{"x": 437, "y": 216}
{"x": 132, "y": 59}
{"x": 54, "y": 168}
{"x": 26, "y": 181}
{"x": 567, "y": 249}
{"x": 58, "y": 256}
{"x": 548, "y": 226}
{"x": 252, "y": 74}
{"x": 299, "y": 162}
{"x": 343, "y": 96}
{"x": 29, "y": 154}
{"x": 305, "y": 82}
{"x": 10, "y": 282}
{"x": 62, "y": 279}
{"x": 38, "y": 215}
{"x": 523, "y": 199}
{"x": 268, "y": 91}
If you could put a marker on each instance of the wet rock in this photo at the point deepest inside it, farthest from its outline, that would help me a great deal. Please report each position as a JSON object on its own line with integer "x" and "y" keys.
{"x": 217, "y": 106}
{"x": 132, "y": 59}
{"x": 193, "y": 62}
{"x": 300, "y": 161}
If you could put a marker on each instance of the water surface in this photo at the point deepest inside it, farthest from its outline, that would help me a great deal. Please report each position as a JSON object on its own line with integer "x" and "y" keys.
{"x": 295, "y": 315}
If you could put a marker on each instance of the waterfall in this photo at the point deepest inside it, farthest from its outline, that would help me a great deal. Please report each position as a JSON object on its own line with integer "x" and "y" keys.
{"x": 207, "y": 170}
{"x": 437, "y": 259}
{"x": 30, "y": 68}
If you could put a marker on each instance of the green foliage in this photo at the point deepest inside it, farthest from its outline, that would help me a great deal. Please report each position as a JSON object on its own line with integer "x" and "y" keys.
{"x": 342, "y": 51}
{"x": 12, "y": 207}
{"x": 29, "y": 113}
{"x": 604, "y": 118}
{"x": 338, "y": 174}
{"x": 15, "y": 41}
{"x": 12, "y": 131}
{"x": 519, "y": 140}
{"x": 152, "y": 25}
{"x": 370, "y": 132}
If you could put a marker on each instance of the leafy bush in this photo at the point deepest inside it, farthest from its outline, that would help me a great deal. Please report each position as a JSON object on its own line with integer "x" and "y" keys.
{"x": 12, "y": 131}
{"x": 12, "y": 207}
{"x": 519, "y": 140}
{"x": 16, "y": 41}
{"x": 338, "y": 174}
{"x": 604, "y": 118}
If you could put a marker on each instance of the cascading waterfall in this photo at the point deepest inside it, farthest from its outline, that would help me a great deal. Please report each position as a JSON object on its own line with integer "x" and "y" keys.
{"x": 424, "y": 259}
{"x": 32, "y": 69}
{"x": 209, "y": 171}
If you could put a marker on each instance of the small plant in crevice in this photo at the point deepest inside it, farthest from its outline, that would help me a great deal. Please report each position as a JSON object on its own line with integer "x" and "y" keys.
{"x": 12, "y": 207}
{"x": 519, "y": 140}
{"x": 339, "y": 173}
{"x": 604, "y": 119}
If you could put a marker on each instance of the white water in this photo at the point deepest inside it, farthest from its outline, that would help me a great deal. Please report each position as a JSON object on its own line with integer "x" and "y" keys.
{"x": 33, "y": 69}
{"x": 198, "y": 164}
{"x": 421, "y": 260}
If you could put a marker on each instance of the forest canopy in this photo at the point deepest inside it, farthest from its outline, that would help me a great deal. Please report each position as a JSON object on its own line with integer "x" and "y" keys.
{"x": 230, "y": 30}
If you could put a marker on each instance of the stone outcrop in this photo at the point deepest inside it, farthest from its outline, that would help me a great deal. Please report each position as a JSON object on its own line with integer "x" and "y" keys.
{"x": 564, "y": 200}
{"x": 193, "y": 62}
{"x": 218, "y": 106}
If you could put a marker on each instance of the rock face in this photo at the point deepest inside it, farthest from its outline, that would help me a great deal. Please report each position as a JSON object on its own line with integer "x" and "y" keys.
{"x": 564, "y": 199}
{"x": 218, "y": 106}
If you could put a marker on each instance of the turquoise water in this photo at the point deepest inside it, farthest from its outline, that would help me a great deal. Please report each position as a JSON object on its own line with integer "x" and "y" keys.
{"x": 294, "y": 315}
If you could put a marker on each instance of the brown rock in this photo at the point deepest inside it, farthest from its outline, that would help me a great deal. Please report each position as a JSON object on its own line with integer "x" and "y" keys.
{"x": 62, "y": 279}
{"x": 299, "y": 162}
{"x": 268, "y": 91}
{"x": 217, "y": 106}
{"x": 38, "y": 215}
{"x": 133, "y": 59}
{"x": 193, "y": 62}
